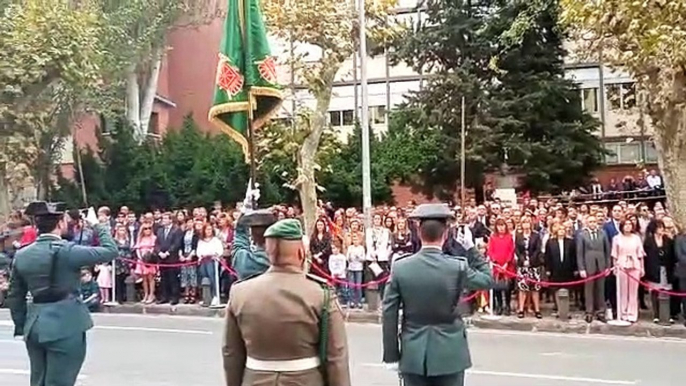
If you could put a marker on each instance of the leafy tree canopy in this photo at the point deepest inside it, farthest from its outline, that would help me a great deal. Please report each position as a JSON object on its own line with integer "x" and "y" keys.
{"x": 518, "y": 106}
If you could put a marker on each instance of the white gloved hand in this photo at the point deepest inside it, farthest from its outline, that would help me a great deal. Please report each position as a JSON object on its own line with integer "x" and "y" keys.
{"x": 19, "y": 337}
{"x": 91, "y": 217}
{"x": 391, "y": 366}
{"x": 16, "y": 244}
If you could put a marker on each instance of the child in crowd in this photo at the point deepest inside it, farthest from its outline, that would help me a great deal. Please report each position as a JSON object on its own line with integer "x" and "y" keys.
{"x": 90, "y": 294}
{"x": 337, "y": 267}
{"x": 5, "y": 263}
{"x": 356, "y": 256}
{"x": 483, "y": 299}
{"x": 104, "y": 281}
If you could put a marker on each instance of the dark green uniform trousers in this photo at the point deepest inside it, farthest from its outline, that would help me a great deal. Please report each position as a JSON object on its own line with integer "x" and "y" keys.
{"x": 456, "y": 379}
{"x": 56, "y": 363}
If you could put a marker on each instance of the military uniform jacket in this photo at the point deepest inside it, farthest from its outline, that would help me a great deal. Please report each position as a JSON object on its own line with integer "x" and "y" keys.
{"x": 275, "y": 317}
{"x": 244, "y": 260}
{"x": 427, "y": 286}
{"x": 31, "y": 273}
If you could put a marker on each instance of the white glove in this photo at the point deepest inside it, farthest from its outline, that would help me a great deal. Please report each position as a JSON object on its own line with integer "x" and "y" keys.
{"x": 391, "y": 366}
{"x": 91, "y": 217}
{"x": 16, "y": 244}
{"x": 19, "y": 337}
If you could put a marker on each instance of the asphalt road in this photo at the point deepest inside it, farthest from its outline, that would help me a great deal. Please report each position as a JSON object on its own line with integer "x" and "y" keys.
{"x": 179, "y": 351}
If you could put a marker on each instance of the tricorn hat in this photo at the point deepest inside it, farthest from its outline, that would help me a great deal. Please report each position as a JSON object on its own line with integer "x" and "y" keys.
{"x": 42, "y": 208}
{"x": 259, "y": 218}
{"x": 432, "y": 212}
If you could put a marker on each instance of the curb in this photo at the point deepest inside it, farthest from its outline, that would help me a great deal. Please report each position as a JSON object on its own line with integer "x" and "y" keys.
{"x": 575, "y": 326}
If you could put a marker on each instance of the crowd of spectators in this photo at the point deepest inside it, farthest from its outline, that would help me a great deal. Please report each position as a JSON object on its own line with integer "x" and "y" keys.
{"x": 531, "y": 242}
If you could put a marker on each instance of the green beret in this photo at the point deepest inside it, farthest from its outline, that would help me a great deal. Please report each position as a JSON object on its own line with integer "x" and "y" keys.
{"x": 288, "y": 229}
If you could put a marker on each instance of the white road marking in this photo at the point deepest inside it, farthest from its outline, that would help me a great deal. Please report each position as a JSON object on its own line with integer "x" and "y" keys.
{"x": 147, "y": 329}
{"x": 142, "y": 329}
{"x": 11, "y": 341}
{"x": 27, "y": 373}
{"x": 542, "y": 334}
{"x": 534, "y": 376}
{"x": 551, "y": 377}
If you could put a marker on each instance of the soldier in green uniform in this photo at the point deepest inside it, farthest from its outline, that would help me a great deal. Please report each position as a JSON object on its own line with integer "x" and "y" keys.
{"x": 250, "y": 259}
{"x": 428, "y": 285}
{"x": 285, "y": 327}
{"x": 54, "y": 323}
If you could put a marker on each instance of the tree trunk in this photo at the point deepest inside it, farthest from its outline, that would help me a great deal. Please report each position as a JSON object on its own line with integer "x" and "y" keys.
{"x": 670, "y": 132}
{"x": 150, "y": 91}
{"x": 5, "y": 205}
{"x": 133, "y": 106}
{"x": 307, "y": 188}
{"x": 673, "y": 167}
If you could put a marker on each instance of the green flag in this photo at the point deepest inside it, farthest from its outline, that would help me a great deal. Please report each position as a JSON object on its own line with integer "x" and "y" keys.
{"x": 246, "y": 70}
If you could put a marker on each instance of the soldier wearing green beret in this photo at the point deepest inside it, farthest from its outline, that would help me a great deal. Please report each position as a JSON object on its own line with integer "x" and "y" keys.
{"x": 428, "y": 285}
{"x": 272, "y": 334}
{"x": 249, "y": 258}
{"x": 54, "y": 323}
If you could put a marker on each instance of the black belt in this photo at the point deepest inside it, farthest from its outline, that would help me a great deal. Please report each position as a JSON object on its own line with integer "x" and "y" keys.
{"x": 49, "y": 298}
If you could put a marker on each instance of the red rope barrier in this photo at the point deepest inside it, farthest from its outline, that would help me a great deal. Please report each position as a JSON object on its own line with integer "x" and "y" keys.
{"x": 651, "y": 287}
{"x": 179, "y": 265}
{"x": 331, "y": 279}
{"x": 553, "y": 284}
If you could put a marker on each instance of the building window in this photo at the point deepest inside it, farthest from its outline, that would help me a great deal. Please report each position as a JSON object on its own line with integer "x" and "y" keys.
{"x": 335, "y": 118}
{"x": 651, "y": 152}
{"x": 622, "y": 96}
{"x": 341, "y": 118}
{"x": 348, "y": 118}
{"x": 106, "y": 124}
{"x": 623, "y": 153}
{"x": 589, "y": 99}
{"x": 154, "y": 124}
{"x": 377, "y": 115}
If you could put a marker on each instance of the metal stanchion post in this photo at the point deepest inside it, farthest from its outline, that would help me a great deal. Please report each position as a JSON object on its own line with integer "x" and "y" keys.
{"x": 113, "y": 293}
{"x": 216, "y": 286}
{"x": 617, "y": 321}
{"x": 491, "y": 315}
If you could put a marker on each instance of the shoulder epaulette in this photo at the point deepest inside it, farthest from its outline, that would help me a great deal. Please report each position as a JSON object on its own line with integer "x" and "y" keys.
{"x": 403, "y": 257}
{"x": 320, "y": 280}
{"x": 254, "y": 275}
{"x": 458, "y": 258}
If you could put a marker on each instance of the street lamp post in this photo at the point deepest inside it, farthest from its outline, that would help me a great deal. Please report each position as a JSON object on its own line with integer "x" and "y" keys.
{"x": 364, "y": 120}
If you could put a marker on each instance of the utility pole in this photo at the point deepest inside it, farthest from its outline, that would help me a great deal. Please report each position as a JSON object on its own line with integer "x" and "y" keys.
{"x": 364, "y": 121}
{"x": 463, "y": 165}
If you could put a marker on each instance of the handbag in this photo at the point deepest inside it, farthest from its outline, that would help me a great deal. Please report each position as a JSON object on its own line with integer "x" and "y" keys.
{"x": 501, "y": 283}
{"x": 149, "y": 258}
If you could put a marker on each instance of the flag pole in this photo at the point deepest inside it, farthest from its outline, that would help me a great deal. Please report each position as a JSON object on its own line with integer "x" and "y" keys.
{"x": 248, "y": 86}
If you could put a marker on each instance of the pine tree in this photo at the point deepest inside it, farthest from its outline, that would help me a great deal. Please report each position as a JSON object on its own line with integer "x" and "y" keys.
{"x": 450, "y": 44}
{"x": 534, "y": 113}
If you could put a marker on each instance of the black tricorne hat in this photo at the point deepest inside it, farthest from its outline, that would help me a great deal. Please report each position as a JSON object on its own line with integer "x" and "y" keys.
{"x": 42, "y": 208}
{"x": 259, "y": 218}
{"x": 432, "y": 212}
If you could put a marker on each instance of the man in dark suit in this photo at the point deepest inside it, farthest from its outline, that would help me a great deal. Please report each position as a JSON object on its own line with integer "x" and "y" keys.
{"x": 593, "y": 257}
{"x": 611, "y": 229}
{"x": 169, "y": 239}
{"x": 477, "y": 228}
